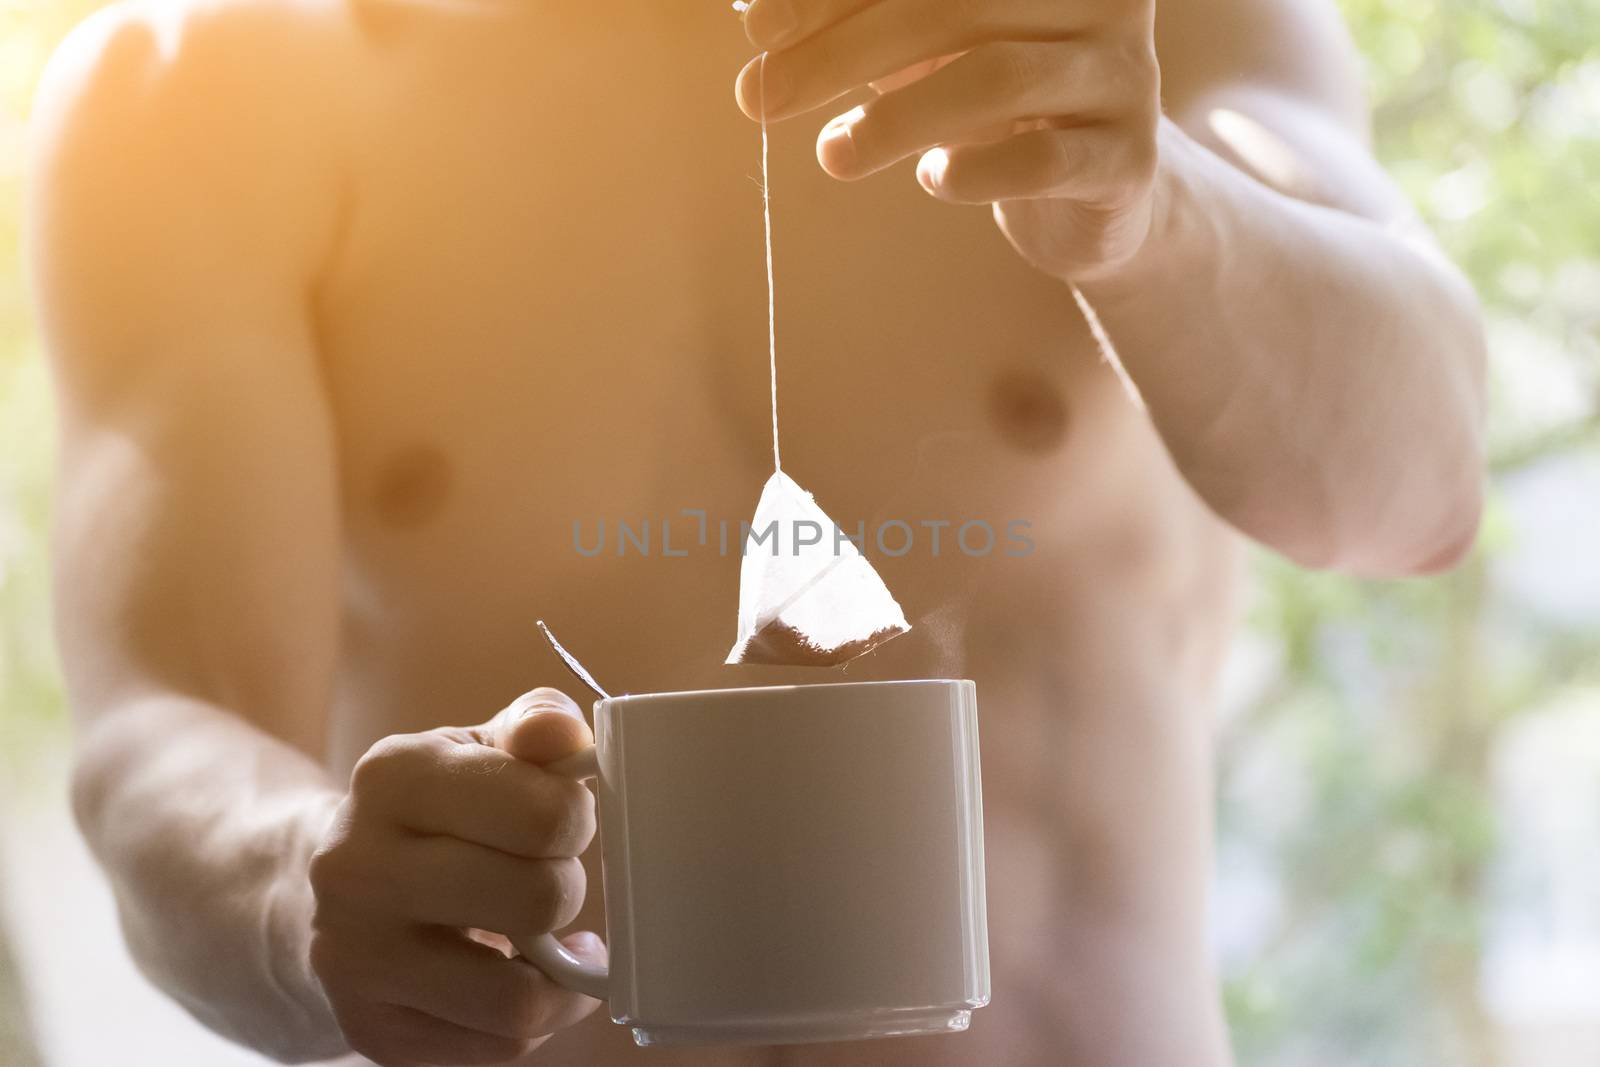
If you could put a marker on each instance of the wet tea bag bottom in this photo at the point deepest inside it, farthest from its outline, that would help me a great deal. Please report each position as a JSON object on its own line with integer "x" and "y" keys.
{"x": 807, "y": 596}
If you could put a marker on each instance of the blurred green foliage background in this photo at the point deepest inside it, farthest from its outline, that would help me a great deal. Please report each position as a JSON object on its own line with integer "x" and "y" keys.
{"x": 1359, "y": 826}
{"x": 1384, "y": 706}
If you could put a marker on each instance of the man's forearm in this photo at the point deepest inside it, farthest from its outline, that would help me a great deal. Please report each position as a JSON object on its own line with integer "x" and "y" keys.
{"x": 205, "y": 826}
{"x": 1316, "y": 376}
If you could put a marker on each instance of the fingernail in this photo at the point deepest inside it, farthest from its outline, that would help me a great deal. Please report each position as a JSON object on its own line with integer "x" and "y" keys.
{"x": 931, "y": 168}
{"x": 533, "y": 711}
{"x": 836, "y": 148}
{"x": 768, "y": 23}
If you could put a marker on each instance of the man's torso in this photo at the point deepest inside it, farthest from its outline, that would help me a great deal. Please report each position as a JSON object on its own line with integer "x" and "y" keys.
{"x": 546, "y": 317}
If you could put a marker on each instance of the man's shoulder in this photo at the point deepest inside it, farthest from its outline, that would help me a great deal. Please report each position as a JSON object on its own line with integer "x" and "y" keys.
{"x": 163, "y": 126}
{"x": 133, "y": 42}
{"x": 183, "y": 155}
{"x": 207, "y": 71}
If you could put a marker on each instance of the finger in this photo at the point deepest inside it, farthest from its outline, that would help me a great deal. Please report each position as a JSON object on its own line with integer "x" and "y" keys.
{"x": 452, "y": 883}
{"x": 978, "y": 97}
{"x": 883, "y": 39}
{"x": 392, "y": 1035}
{"x": 1090, "y": 164}
{"x": 499, "y": 942}
{"x": 543, "y": 698}
{"x": 431, "y": 784}
{"x": 541, "y": 726}
{"x": 774, "y": 24}
{"x": 473, "y": 986}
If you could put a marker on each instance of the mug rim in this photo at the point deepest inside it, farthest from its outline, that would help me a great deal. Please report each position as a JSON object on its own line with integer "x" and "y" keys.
{"x": 745, "y": 690}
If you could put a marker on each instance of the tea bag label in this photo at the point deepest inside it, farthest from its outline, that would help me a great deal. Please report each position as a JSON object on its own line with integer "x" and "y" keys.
{"x": 807, "y": 596}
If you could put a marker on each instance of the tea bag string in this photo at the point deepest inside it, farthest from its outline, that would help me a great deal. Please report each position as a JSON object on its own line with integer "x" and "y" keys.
{"x": 772, "y": 313}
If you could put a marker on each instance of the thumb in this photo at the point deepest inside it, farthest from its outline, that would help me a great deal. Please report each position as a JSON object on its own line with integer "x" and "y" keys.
{"x": 542, "y": 726}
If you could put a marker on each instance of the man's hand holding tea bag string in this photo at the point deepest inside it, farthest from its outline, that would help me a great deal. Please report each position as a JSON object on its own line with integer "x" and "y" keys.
{"x": 1327, "y": 338}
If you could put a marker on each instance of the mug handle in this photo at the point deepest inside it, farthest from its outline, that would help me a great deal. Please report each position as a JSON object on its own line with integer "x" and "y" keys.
{"x": 544, "y": 951}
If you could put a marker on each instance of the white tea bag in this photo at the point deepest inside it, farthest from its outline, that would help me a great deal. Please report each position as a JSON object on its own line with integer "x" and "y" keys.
{"x": 807, "y": 596}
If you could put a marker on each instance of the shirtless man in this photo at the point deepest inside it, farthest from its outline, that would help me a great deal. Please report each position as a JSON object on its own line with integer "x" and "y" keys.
{"x": 357, "y": 306}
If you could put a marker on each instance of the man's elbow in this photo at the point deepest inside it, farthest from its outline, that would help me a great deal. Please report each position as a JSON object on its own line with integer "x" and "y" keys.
{"x": 1415, "y": 510}
{"x": 96, "y": 760}
{"x": 1417, "y": 538}
{"x": 1445, "y": 528}
{"x": 1438, "y": 547}
{"x": 1459, "y": 533}
{"x": 1457, "y": 490}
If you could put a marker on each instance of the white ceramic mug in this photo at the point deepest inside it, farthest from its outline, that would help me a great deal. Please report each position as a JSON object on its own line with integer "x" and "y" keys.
{"x": 787, "y": 864}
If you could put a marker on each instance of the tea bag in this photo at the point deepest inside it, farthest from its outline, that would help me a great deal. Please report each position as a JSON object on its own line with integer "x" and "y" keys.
{"x": 808, "y": 599}
{"x": 807, "y": 596}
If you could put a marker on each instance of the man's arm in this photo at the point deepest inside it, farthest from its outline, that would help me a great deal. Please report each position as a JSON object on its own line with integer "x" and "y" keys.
{"x": 196, "y": 519}
{"x": 183, "y": 197}
{"x": 1314, "y": 364}
{"x": 1314, "y": 367}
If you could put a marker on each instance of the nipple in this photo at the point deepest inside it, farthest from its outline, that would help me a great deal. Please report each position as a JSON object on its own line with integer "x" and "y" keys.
{"x": 1028, "y": 410}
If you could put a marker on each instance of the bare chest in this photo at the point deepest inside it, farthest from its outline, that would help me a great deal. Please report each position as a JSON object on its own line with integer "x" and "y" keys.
{"x": 546, "y": 352}
{"x": 546, "y": 348}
